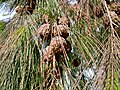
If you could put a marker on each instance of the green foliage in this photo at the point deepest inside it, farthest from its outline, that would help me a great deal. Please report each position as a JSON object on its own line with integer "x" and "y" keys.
{"x": 1, "y": 1}
{"x": 2, "y": 26}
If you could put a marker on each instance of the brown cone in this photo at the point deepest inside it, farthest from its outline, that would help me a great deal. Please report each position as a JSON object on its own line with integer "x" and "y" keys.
{"x": 44, "y": 31}
{"x": 56, "y": 45}
{"x": 114, "y": 17}
{"x": 98, "y": 11}
{"x": 61, "y": 30}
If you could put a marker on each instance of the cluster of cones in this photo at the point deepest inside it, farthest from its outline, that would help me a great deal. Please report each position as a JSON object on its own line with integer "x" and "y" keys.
{"x": 114, "y": 11}
{"x": 57, "y": 35}
{"x": 114, "y": 8}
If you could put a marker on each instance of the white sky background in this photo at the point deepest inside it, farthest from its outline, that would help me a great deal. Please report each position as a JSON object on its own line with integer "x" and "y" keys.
{"x": 72, "y": 2}
{"x": 5, "y": 13}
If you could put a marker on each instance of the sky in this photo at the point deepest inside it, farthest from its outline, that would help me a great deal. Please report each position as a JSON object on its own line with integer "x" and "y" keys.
{"x": 72, "y": 2}
{"x": 5, "y": 14}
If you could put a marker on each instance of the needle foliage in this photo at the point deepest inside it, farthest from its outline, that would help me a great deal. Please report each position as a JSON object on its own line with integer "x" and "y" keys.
{"x": 93, "y": 62}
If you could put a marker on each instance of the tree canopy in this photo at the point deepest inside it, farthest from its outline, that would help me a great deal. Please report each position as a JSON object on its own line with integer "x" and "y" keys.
{"x": 56, "y": 45}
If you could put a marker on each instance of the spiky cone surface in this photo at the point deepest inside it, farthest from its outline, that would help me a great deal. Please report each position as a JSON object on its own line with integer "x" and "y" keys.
{"x": 59, "y": 44}
{"x": 61, "y": 30}
{"x": 63, "y": 21}
{"x": 48, "y": 54}
{"x": 44, "y": 31}
{"x": 114, "y": 16}
{"x": 98, "y": 11}
{"x": 115, "y": 6}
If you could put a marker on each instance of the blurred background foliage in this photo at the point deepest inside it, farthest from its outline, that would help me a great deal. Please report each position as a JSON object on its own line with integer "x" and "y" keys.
{"x": 2, "y": 26}
{"x": 1, "y": 1}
